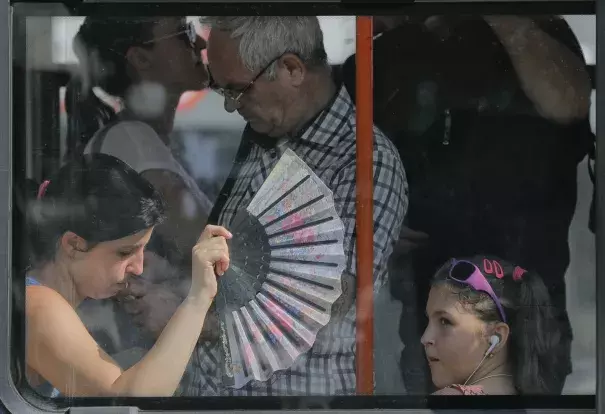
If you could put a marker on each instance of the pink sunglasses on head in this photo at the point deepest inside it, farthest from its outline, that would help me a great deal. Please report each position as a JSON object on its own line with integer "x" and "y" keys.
{"x": 467, "y": 273}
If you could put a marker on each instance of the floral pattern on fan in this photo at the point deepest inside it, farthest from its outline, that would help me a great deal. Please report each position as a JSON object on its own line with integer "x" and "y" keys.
{"x": 287, "y": 259}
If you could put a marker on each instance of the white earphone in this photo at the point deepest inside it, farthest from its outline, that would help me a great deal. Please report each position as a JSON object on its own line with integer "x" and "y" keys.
{"x": 494, "y": 340}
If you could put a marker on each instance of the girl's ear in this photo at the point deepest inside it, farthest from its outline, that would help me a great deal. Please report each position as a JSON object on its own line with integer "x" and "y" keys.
{"x": 502, "y": 330}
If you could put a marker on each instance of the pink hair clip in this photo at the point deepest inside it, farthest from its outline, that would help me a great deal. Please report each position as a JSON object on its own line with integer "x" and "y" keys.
{"x": 518, "y": 273}
{"x": 42, "y": 188}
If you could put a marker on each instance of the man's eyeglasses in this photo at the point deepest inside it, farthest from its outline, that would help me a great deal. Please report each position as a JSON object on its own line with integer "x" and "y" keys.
{"x": 236, "y": 95}
{"x": 187, "y": 33}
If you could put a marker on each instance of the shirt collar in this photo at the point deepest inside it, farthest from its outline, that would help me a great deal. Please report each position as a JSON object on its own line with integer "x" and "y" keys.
{"x": 321, "y": 129}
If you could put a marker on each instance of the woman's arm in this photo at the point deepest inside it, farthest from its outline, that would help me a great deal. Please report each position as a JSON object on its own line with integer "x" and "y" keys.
{"x": 61, "y": 350}
{"x": 159, "y": 373}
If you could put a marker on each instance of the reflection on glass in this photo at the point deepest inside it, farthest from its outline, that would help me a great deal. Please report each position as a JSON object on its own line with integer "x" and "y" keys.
{"x": 480, "y": 152}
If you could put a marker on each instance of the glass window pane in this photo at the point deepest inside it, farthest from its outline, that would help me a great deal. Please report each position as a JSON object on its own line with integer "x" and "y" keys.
{"x": 494, "y": 134}
{"x": 133, "y": 134}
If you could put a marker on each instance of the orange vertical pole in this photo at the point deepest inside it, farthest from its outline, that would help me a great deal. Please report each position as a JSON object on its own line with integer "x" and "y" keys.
{"x": 364, "y": 216}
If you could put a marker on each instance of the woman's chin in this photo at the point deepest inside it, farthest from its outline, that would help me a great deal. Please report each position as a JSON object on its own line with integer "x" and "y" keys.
{"x": 102, "y": 296}
{"x": 109, "y": 293}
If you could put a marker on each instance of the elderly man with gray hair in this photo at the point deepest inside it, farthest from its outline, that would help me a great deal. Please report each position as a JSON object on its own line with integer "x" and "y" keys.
{"x": 274, "y": 72}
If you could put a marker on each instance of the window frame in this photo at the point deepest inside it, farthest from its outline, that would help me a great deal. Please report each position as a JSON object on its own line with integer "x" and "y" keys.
{"x": 16, "y": 402}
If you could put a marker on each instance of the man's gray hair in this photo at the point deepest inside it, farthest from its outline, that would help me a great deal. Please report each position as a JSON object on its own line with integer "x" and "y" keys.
{"x": 265, "y": 38}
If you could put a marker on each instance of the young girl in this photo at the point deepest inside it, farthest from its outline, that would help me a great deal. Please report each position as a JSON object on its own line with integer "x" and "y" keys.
{"x": 491, "y": 330}
{"x": 88, "y": 230}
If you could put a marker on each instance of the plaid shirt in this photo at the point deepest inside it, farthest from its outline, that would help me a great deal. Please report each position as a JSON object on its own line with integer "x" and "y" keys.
{"x": 328, "y": 146}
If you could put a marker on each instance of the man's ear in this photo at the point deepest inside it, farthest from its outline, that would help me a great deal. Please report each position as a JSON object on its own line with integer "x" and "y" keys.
{"x": 295, "y": 68}
{"x": 138, "y": 58}
{"x": 71, "y": 244}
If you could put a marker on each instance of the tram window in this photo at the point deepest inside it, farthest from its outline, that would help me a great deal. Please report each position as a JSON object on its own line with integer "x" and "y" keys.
{"x": 192, "y": 209}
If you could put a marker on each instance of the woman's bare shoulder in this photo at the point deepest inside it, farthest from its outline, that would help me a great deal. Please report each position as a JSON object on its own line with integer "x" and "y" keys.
{"x": 60, "y": 348}
{"x": 42, "y": 302}
{"x": 49, "y": 315}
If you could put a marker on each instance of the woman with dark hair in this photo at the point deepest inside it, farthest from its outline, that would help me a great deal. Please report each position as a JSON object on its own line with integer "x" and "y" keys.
{"x": 147, "y": 63}
{"x": 491, "y": 330}
{"x": 87, "y": 231}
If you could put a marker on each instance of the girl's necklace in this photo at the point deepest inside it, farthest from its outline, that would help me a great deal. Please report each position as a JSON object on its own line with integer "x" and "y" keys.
{"x": 490, "y": 376}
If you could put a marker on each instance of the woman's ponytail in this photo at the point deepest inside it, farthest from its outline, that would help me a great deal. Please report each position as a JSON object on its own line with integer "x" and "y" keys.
{"x": 536, "y": 349}
{"x": 86, "y": 113}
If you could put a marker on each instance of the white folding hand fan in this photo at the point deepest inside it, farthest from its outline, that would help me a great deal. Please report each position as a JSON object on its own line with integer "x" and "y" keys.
{"x": 287, "y": 260}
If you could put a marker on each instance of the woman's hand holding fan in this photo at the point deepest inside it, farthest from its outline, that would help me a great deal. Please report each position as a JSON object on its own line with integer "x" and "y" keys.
{"x": 210, "y": 258}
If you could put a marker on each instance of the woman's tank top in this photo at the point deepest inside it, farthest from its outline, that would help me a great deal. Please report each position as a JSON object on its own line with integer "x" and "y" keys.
{"x": 45, "y": 389}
